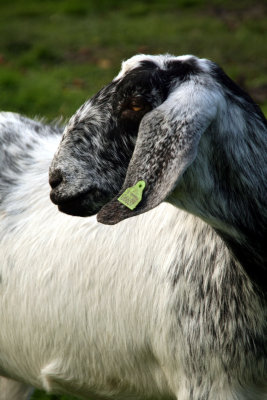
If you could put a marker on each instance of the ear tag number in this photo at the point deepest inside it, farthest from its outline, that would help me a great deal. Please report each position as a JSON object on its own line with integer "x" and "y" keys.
{"x": 133, "y": 195}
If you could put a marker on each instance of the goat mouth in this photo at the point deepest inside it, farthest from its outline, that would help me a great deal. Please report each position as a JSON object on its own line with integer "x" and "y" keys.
{"x": 77, "y": 210}
{"x": 83, "y": 204}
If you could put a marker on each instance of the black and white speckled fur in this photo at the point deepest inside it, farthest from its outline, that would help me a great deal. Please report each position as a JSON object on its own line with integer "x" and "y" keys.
{"x": 201, "y": 145}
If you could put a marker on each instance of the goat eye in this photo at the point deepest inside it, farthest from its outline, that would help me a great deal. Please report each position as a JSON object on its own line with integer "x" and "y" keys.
{"x": 136, "y": 108}
{"x": 138, "y": 104}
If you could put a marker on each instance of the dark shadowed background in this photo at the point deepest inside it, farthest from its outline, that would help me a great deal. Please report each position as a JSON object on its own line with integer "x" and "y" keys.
{"x": 54, "y": 54}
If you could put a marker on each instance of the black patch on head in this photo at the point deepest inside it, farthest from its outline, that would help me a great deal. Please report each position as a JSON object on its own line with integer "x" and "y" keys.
{"x": 182, "y": 69}
{"x": 233, "y": 91}
{"x": 148, "y": 65}
{"x": 142, "y": 81}
{"x": 143, "y": 86}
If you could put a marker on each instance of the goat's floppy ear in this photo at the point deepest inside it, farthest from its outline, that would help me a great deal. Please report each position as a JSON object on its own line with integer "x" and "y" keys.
{"x": 166, "y": 145}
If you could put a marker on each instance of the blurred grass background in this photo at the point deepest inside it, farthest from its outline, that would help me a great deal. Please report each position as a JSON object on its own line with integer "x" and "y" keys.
{"x": 54, "y": 54}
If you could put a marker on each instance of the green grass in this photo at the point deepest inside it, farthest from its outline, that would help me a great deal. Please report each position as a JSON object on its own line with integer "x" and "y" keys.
{"x": 54, "y": 54}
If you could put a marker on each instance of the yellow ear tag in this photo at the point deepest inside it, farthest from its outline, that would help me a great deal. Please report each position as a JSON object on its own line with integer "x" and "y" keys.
{"x": 133, "y": 195}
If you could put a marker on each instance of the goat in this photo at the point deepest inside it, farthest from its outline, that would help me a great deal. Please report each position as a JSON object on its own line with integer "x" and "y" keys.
{"x": 193, "y": 138}
{"x": 87, "y": 309}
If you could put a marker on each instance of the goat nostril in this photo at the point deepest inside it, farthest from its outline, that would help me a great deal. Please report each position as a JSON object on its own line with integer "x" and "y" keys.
{"x": 55, "y": 178}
